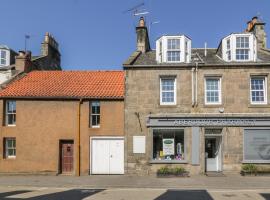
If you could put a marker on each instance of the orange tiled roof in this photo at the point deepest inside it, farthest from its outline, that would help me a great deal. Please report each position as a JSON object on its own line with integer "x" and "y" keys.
{"x": 67, "y": 84}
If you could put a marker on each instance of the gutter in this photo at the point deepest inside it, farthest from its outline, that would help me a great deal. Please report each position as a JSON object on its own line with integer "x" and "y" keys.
{"x": 200, "y": 65}
{"x": 59, "y": 98}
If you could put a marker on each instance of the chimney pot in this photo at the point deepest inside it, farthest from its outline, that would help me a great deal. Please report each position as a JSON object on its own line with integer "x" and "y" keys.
{"x": 254, "y": 19}
{"x": 21, "y": 53}
{"x": 141, "y": 22}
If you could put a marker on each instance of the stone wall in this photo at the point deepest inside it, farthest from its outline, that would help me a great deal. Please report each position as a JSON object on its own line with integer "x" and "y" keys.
{"x": 143, "y": 98}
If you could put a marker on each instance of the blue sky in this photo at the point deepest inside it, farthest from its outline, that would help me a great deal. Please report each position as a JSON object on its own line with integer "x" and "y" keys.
{"x": 96, "y": 34}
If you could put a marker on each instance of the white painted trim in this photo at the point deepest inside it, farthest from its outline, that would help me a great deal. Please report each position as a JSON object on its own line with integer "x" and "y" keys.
{"x": 101, "y": 138}
{"x": 252, "y": 47}
{"x": 175, "y": 91}
{"x": 7, "y": 57}
{"x": 219, "y": 92}
{"x": 265, "y": 91}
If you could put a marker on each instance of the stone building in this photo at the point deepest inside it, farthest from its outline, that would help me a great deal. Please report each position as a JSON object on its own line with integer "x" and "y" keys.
{"x": 63, "y": 122}
{"x": 204, "y": 109}
{"x": 14, "y": 63}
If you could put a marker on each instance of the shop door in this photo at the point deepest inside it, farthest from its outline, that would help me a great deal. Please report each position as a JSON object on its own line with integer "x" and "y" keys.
{"x": 212, "y": 154}
{"x": 67, "y": 156}
{"x": 107, "y": 156}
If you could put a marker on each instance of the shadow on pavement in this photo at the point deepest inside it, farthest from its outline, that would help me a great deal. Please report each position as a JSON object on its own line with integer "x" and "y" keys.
{"x": 266, "y": 196}
{"x": 76, "y": 194}
{"x": 185, "y": 195}
{"x": 6, "y": 194}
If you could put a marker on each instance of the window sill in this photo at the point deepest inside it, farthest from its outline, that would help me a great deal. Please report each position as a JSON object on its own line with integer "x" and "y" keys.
{"x": 95, "y": 127}
{"x": 259, "y": 106}
{"x": 168, "y": 161}
{"x": 256, "y": 162}
{"x": 167, "y": 105}
{"x": 10, "y": 125}
{"x": 213, "y": 105}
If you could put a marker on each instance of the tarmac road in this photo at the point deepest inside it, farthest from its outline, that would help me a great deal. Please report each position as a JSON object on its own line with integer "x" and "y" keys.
{"x": 44, "y": 193}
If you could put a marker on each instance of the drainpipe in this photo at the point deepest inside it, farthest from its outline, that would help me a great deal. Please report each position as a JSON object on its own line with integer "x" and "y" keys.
{"x": 78, "y": 161}
{"x": 196, "y": 85}
{"x": 192, "y": 86}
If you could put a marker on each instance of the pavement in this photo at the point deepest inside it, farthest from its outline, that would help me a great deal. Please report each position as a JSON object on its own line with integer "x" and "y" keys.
{"x": 125, "y": 187}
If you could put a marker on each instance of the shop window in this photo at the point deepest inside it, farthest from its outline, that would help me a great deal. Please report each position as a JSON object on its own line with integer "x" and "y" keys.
{"x": 168, "y": 145}
{"x": 95, "y": 114}
{"x": 9, "y": 147}
{"x": 257, "y": 145}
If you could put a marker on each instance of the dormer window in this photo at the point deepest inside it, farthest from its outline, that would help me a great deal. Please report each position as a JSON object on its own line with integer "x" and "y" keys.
{"x": 239, "y": 47}
{"x": 173, "y": 49}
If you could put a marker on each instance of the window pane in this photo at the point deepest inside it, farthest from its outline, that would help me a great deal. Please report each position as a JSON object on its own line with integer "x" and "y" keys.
{"x": 168, "y": 144}
{"x": 94, "y": 120}
{"x": 3, "y": 54}
{"x": 173, "y": 56}
{"x": 257, "y": 145}
{"x": 11, "y": 106}
{"x": 11, "y": 119}
{"x": 173, "y": 44}
{"x": 98, "y": 120}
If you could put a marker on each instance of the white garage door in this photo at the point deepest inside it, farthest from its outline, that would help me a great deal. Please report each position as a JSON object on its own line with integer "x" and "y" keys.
{"x": 107, "y": 155}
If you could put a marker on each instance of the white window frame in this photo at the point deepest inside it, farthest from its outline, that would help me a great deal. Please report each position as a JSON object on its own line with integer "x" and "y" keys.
{"x": 229, "y": 52}
{"x": 264, "y": 89}
{"x": 5, "y": 58}
{"x": 160, "y": 86}
{"x": 7, "y": 156}
{"x": 252, "y": 48}
{"x": 219, "y": 91}
{"x": 94, "y": 114}
{"x": 173, "y": 50}
{"x": 184, "y": 49}
{"x": 10, "y": 113}
{"x": 242, "y": 48}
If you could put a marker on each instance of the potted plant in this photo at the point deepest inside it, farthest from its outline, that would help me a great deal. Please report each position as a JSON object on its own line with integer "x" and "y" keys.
{"x": 252, "y": 169}
{"x": 172, "y": 172}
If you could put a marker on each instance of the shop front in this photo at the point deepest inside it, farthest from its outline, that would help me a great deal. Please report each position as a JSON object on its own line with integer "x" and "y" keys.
{"x": 208, "y": 143}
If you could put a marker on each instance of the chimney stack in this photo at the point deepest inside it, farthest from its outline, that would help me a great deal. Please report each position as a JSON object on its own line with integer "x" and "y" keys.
{"x": 256, "y": 26}
{"x": 50, "y": 49}
{"x": 23, "y": 61}
{"x": 143, "y": 43}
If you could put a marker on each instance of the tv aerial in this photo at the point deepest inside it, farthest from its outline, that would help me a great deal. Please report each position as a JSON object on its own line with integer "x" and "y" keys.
{"x": 137, "y": 10}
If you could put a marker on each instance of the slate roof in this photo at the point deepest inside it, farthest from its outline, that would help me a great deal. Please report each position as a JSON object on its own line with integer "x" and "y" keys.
{"x": 212, "y": 58}
{"x": 67, "y": 85}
